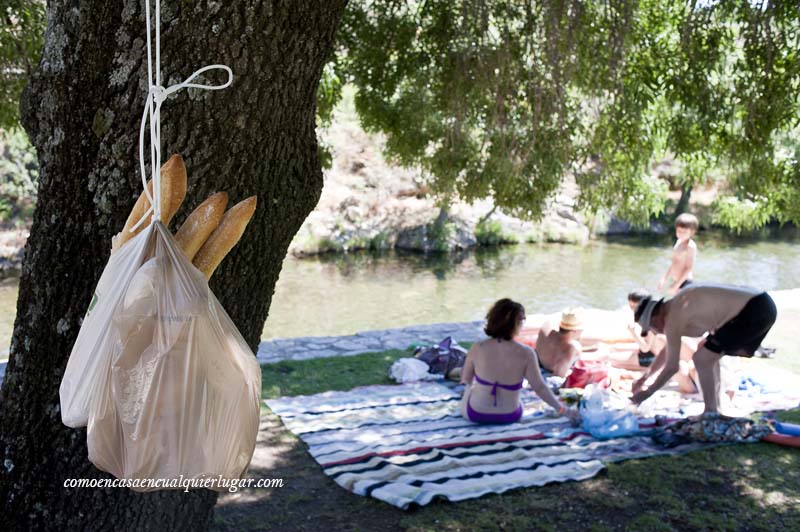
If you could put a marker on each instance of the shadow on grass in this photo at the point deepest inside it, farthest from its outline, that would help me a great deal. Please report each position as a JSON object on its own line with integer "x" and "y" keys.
{"x": 308, "y": 500}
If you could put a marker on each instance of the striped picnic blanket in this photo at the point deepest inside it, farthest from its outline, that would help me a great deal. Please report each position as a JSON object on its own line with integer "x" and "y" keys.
{"x": 408, "y": 444}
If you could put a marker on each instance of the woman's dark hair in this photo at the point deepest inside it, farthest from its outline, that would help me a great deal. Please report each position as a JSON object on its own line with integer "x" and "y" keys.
{"x": 638, "y": 295}
{"x": 502, "y": 318}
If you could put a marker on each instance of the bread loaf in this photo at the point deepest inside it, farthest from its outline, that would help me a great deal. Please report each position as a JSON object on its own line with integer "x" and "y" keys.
{"x": 201, "y": 223}
{"x": 173, "y": 190}
{"x": 225, "y": 236}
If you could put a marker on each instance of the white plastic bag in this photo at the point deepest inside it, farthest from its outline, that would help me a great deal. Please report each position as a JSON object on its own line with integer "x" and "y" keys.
{"x": 410, "y": 370}
{"x": 605, "y": 415}
{"x": 89, "y": 360}
{"x": 173, "y": 389}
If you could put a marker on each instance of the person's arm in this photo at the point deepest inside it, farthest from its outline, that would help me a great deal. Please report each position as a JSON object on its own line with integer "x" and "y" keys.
{"x": 672, "y": 358}
{"x": 537, "y": 383}
{"x": 666, "y": 276}
{"x": 657, "y": 364}
{"x": 468, "y": 372}
{"x": 645, "y": 343}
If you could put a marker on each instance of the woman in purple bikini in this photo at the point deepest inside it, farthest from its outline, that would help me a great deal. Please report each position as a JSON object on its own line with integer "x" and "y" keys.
{"x": 495, "y": 368}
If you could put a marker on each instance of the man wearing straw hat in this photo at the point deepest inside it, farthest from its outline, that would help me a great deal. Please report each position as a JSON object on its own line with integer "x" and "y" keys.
{"x": 736, "y": 319}
{"x": 558, "y": 349}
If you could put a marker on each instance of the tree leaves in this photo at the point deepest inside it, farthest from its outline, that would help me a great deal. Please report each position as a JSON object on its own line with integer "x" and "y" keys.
{"x": 504, "y": 98}
{"x": 21, "y": 35}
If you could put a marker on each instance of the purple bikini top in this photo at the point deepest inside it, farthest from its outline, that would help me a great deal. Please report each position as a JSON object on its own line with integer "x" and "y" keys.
{"x": 495, "y": 385}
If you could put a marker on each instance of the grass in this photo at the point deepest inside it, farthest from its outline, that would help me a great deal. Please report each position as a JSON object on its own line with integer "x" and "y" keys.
{"x": 323, "y": 374}
{"x": 738, "y": 487}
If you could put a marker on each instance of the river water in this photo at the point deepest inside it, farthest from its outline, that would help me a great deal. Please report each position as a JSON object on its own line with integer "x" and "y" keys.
{"x": 344, "y": 294}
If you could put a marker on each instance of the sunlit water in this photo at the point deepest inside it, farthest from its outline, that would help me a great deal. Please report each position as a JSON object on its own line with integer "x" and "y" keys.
{"x": 345, "y": 294}
{"x": 334, "y": 295}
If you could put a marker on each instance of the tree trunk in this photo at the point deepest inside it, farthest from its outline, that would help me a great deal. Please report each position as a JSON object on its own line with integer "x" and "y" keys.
{"x": 683, "y": 202}
{"x": 82, "y": 111}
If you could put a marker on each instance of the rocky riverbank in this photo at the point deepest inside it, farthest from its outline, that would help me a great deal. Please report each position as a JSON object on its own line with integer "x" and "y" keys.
{"x": 368, "y": 203}
{"x": 12, "y": 244}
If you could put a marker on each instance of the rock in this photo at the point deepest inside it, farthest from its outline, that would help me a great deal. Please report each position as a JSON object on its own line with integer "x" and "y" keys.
{"x": 608, "y": 224}
{"x": 453, "y": 235}
{"x": 617, "y": 226}
{"x": 367, "y": 203}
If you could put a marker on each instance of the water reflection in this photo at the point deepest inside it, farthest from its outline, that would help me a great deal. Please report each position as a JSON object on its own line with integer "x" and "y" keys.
{"x": 344, "y": 294}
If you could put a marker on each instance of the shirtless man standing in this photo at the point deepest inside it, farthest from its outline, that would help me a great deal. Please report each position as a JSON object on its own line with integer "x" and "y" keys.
{"x": 736, "y": 319}
{"x": 683, "y": 254}
{"x": 559, "y": 348}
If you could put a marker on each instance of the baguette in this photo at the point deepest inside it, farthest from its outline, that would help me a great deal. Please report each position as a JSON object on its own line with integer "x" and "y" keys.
{"x": 201, "y": 223}
{"x": 225, "y": 236}
{"x": 173, "y": 190}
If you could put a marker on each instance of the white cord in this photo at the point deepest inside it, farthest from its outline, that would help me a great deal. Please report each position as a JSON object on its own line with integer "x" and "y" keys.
{"x": 156, "y": 95}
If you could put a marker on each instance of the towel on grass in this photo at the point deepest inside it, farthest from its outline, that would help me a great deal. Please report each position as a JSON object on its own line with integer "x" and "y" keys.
{"x": 408, "y": 444}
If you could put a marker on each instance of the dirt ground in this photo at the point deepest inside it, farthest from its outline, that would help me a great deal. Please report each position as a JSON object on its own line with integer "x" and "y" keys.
{"x": 725, "y": 488}
{"x": 308, "y": 500}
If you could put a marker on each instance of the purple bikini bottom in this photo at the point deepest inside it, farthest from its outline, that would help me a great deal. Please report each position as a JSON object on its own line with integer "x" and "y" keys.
{"x": 480, "y": 417}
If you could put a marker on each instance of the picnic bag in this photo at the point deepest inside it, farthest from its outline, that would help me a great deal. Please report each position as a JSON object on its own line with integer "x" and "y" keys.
{"x": 443, "y": 357}
{"x": 176, "y": 389}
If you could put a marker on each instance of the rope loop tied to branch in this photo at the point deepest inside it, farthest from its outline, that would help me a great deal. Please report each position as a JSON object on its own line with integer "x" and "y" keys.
{"x": 156, "y": 96}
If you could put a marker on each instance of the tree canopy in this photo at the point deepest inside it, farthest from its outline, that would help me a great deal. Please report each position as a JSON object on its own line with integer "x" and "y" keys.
{"x": 21, "y": 36}
{"x": 503, "y": 98}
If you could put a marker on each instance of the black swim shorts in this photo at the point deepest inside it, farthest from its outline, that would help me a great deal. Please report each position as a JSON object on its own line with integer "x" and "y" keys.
{"x": 743, "y": 333}
{"x": 646, "y": 359}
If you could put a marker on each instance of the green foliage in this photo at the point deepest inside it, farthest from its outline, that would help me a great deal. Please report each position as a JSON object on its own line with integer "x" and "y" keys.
{"x": 22, "y": 25}
{"x": 491, "y": 233}
{"x": 19, "y": 174}
{"x": 503, "y": 98}
{"x": 379, "y": 242}
{"x": 440, "y": 234}
{"x": 741, "y": 215}
{"x": 329, "y": 93}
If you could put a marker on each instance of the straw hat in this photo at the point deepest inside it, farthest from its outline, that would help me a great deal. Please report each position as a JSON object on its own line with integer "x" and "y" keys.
{"x": 570, "y": 320}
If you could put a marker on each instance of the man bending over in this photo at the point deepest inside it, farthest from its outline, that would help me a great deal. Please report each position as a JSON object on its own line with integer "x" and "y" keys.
{"x": 736, "y": 319}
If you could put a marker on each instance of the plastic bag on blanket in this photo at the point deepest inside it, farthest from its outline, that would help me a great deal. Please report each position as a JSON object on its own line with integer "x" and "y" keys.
{"x": 173, "y": 389}
{"x": 411, "y": 370}
{"x": 605, "y": 415}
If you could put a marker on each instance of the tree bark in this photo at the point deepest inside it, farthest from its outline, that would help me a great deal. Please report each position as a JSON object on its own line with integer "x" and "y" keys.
{"x": 683, "y": 203}
{"x": 82, "y": 111}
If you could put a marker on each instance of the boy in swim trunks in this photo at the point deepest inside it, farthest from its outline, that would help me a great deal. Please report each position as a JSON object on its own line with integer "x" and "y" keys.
{"x": 683, "y": 254}
{"x": 736, "y": 319}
